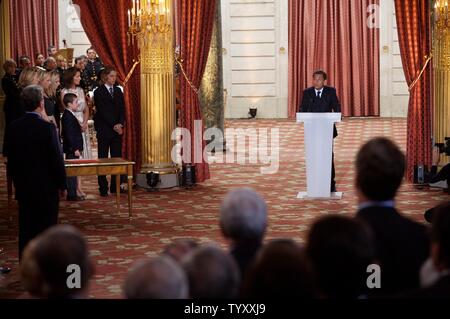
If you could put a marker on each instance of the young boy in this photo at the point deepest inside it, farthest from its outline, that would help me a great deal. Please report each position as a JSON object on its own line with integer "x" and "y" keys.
{"x": 72, "y": 141}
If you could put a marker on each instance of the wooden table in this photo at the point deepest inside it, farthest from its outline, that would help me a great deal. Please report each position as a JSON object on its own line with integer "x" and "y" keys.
{"x": 108, "y": 166}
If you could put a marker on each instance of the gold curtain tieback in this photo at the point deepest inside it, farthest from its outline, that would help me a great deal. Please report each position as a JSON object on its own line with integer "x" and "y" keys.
{"x": 130, "y": 74}
{"x": 428, "y": 59}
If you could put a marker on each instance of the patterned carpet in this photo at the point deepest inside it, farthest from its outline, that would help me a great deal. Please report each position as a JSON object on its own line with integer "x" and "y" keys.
{"x": 116, "y": 243}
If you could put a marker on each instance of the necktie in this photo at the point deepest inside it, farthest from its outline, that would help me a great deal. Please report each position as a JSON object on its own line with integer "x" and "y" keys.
{"x": 111, "y": 91}
{"x": 319, "y": 93}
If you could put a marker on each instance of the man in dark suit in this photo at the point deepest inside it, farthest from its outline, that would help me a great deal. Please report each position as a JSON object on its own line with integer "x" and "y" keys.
{"x": 402, "y": 245}
{"x": 36, "y": 165}
{"x": 109, "y": 120}
{"x": 72, "y": 140}
{"x": 322, "y": 99}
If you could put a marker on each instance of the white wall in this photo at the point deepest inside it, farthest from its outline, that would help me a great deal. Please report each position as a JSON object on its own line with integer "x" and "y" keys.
{"x": 70, "y": 28}
{"x": 393, "y": 87}
{"x": 255, "y": 42}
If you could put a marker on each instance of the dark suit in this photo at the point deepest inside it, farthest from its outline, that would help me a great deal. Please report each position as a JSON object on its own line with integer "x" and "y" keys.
{"x": 72, "y": 142}
{"x": 36, "y": 165}
{"x": 13, "y": 107}
{"x": 110, "y": 111}
{"x": 402, "y": 246}
{"x": 327, "y": 103}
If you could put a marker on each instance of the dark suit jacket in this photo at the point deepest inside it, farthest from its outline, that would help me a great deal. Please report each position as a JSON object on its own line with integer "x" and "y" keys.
{"x": 13, "y": 107}
{"x": 35, "y": 160}
{"x": 402, "y": 246}
{"x": 328, "y": 102}
{"x": 109, "y": 111}
{"x": 71, "y": 133}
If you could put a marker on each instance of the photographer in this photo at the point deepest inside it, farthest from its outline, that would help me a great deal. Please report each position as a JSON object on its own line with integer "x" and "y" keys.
{"x": 435, "y": 177}
{"x": 443, "y": 174}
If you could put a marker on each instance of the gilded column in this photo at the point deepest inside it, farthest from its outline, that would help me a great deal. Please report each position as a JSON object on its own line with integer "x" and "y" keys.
{"x": 441, "y": 52}
{"x": 157, "y": 99}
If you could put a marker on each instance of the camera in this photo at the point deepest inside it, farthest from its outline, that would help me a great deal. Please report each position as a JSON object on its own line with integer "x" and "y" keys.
{"x": 444, "y": 147}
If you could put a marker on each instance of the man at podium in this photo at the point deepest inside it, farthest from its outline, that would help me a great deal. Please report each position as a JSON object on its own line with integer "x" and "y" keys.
{"x": 322, "y": 99}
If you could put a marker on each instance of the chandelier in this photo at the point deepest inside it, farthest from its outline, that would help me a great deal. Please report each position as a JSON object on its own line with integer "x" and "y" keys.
{"x": 147, "y": 19}
{"x": 441, "y": 18}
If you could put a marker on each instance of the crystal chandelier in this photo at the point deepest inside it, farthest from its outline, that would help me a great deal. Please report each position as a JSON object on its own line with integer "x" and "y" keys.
{"x": 441, "y": 18}
{"x": 147, "y": 19}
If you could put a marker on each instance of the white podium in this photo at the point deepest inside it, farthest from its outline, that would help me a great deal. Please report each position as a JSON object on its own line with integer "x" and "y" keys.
{"x": 318, "y": 149}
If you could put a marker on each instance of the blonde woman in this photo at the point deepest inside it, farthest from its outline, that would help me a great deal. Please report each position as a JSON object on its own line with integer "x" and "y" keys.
{"x": 44, "y": 82}
{"x": 72, "y": 79}
{"x": 28, "y": 76}
{"x": 50, "y": 98}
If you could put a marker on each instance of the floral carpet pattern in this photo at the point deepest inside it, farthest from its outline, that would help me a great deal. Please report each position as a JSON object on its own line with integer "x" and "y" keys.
{"x": 161, "y": 217}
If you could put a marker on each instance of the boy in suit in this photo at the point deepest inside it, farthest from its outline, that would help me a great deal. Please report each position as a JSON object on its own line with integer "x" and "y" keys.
{"x": 109, "y": 122}
{"x": 72, "y": 140}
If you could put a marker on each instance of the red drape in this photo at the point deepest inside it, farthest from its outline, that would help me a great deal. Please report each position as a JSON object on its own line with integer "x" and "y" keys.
{"x": 336, "y": 36}
{"x": 34, "y": 26}
{"x": 197, "y": 21}
{"x": 414, "y": 35}
{"x": 105, "y": 23}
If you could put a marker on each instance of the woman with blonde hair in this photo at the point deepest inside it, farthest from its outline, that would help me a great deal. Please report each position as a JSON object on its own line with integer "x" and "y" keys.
{"x": 50, "y": 98}
{"x": 28, "y": 76}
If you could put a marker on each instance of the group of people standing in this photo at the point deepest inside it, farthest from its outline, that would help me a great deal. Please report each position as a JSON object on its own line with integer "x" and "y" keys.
{"x": 47, "y": 114}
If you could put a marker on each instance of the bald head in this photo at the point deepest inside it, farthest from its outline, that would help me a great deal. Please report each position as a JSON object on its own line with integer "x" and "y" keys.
{"x": 157, "y": 278}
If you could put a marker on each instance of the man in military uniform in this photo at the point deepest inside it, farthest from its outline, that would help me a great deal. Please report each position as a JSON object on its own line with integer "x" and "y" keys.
{"x": 93, "y": 67}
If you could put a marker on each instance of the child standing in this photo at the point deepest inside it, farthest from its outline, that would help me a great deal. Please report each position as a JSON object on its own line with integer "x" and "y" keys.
{"x": 72, "y": 141}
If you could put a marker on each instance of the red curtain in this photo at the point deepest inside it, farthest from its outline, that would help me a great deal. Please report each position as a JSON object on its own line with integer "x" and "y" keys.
{"x": 34, "y": 24}
{"x": 414, "y": 33}
{"x": 197, "y": 21}
{"x": 335, "y": 36}
{"x": 105, "y": 23}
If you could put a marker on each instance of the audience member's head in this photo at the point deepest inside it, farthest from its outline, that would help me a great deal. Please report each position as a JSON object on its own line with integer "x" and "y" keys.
{"x": 24, "y": 62}
{"x": 50, "y": 64}
{"x": 40, "y": 60}
{"x": 51, "y": 258}
{"x": 243, "y": 216}
{"x": 28, "y": 76}
{"x": 9, "y": 66}
{"x": 380, "y": 166}
{"x": 33, "y": 98}
{"x": 440, "y": 237}
{"x": 70, "y": 101}
{"x": 109, "y": 75}
{"x": 44, "y": 79}
{"x": 281, "y": 270}
{"x": 91, "y": 53}
{"x": 179, "y": 249}
{"x": 340, "y": 250}
{"x": 72, "y": 77}
{"x": 55, "y": 82}
{"x": 212, "y": 274}
{"x": 51, "y": 50}
{"x": 157, "y": 278}
{"x": 79, "y": 63}
{"x": 61, "y": 62}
